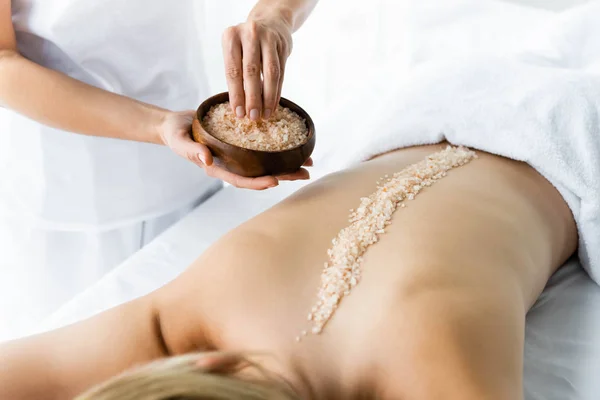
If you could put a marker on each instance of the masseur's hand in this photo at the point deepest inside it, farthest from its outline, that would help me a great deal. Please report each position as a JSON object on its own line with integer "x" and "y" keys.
{"x": 175, "y": 133}
{"x": 255, "y": 54}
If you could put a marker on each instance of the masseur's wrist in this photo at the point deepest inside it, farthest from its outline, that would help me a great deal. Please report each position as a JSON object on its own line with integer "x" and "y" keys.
{"x": 283, "y": 17}
{"x": 159, "y": 121}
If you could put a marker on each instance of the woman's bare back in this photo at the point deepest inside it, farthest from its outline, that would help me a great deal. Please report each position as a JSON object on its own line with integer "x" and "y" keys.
{"x": 482, "y": 240}
{"x": 439, "y": 312}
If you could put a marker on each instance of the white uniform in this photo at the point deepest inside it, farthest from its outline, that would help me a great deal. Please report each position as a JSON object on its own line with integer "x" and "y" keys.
{"x": 74, "y": 206}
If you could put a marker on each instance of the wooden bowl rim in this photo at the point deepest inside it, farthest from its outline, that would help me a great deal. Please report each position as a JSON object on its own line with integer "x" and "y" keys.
{"x": 214, "y": 100}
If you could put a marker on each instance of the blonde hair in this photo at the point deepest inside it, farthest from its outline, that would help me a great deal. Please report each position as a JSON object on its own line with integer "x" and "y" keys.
{"x": 181, "y": 378}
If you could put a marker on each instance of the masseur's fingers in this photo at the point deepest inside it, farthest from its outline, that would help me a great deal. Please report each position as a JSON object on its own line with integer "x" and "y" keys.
{"x": 232, "y": 54}
{"x": 283, "y": 55}
{"x": 301, "y": 174}
{"x": 271, "y": 75}
{"x": 260, "y": 183}
{"x": 252, "y": 70}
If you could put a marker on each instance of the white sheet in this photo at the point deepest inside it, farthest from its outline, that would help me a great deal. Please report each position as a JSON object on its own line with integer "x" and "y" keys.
{"x": 550, "y": 4}
{"x": 562, "y": 341}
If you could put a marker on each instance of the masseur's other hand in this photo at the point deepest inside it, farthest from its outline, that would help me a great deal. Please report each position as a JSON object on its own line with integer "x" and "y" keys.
{"x": 175, "y": 133}
{"x": 255, "y": 54}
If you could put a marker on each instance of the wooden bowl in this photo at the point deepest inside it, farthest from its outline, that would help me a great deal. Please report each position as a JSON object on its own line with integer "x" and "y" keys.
{"x": 253, "y": 163}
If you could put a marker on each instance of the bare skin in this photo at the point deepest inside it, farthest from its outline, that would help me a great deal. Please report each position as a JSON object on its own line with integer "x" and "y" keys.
{"x": 440, "y": 311}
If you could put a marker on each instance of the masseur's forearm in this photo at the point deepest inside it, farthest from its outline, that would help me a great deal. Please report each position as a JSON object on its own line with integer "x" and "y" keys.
{"x": 295, "y": 12}
{"x": 57, "y": 100}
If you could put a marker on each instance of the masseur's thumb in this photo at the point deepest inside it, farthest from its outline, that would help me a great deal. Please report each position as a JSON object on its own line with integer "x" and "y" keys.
{"x": 197, "y": 153}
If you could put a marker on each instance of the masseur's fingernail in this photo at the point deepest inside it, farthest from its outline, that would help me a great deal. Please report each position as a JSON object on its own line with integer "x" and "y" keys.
{"x": 239, "y": 112}
{"x": 254, "y": 114}
{"x": 267, "y": 113}
{"x": 201, "y": 158}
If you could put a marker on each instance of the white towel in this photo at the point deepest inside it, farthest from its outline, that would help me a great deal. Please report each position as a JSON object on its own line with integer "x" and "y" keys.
{"x": 505, "y": 79}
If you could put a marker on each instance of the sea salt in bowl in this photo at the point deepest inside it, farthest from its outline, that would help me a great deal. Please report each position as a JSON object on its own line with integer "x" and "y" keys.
{"x": 279, "y": 145}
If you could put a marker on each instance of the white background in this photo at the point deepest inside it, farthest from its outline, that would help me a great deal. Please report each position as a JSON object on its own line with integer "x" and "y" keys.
{"x": 333, "y": 52}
